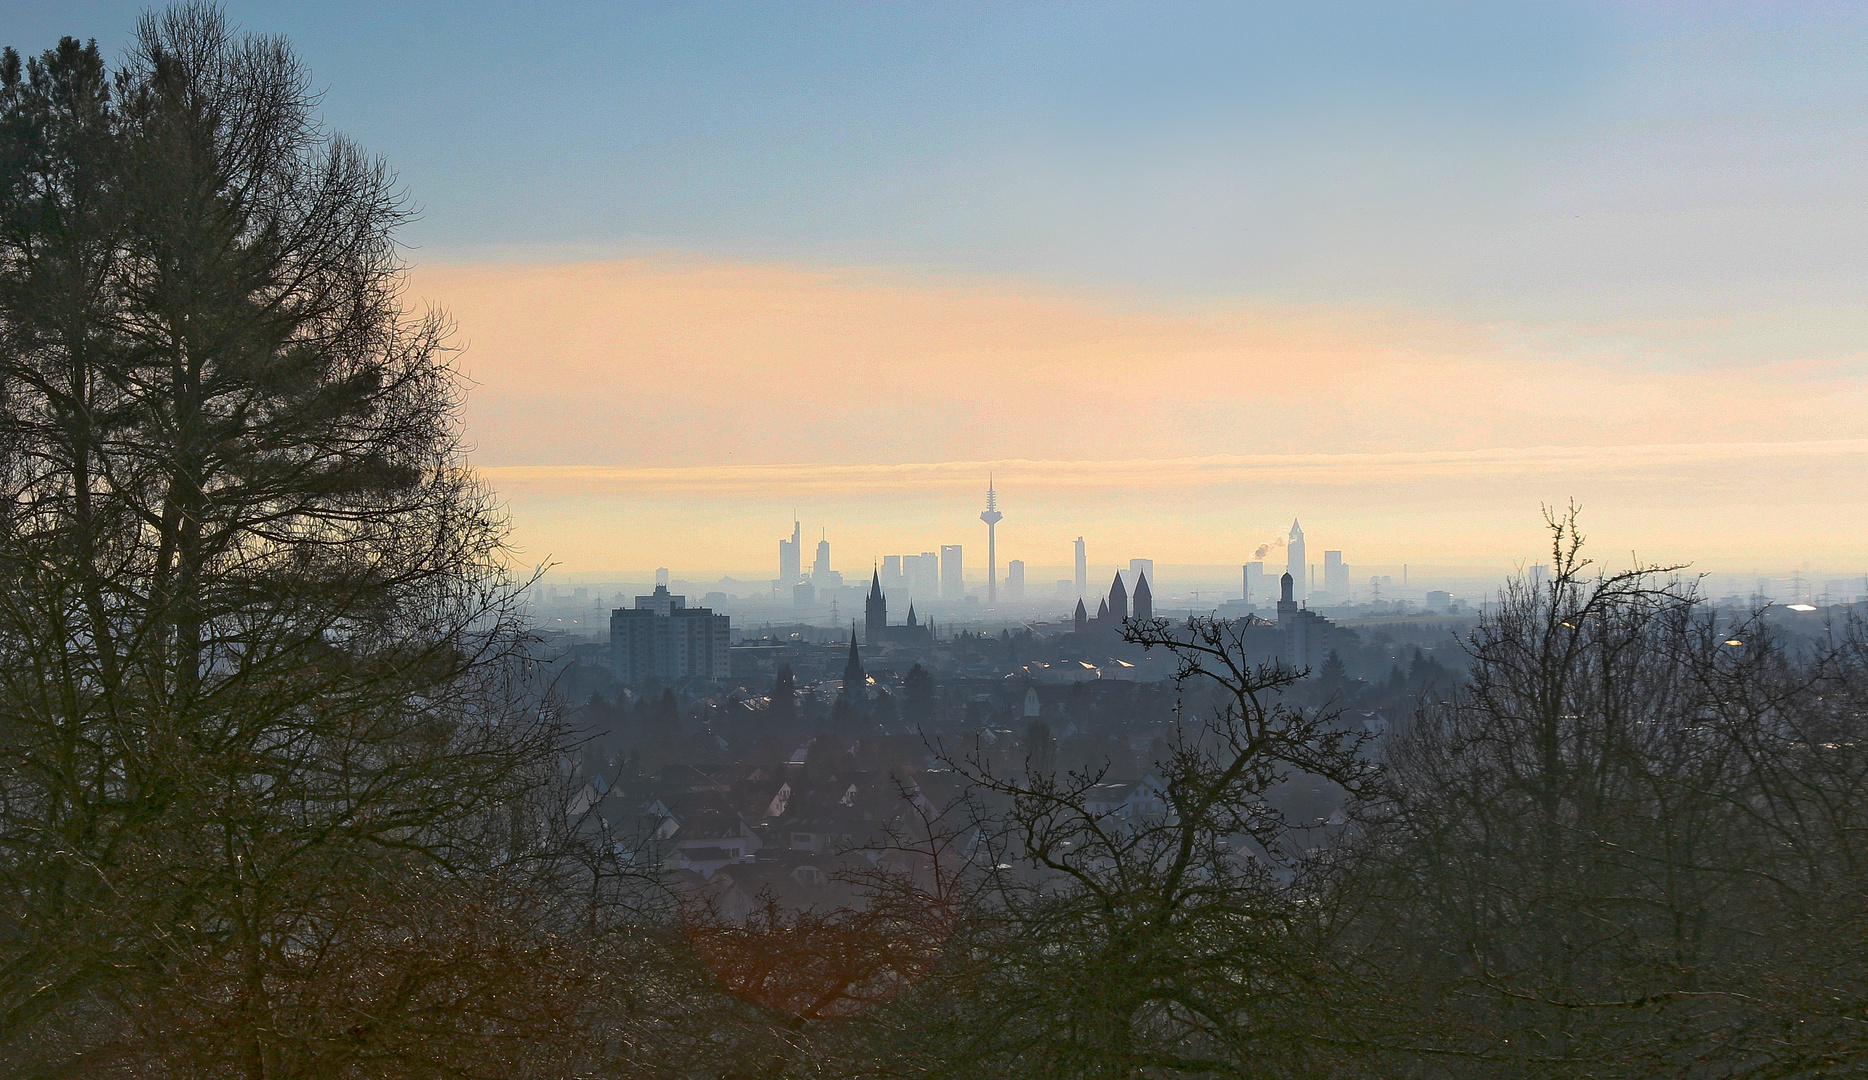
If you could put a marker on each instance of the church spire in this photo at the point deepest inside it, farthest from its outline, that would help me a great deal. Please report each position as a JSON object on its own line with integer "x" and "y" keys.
{"x": 853, "y": 678}
{"x": 875, "y": 612}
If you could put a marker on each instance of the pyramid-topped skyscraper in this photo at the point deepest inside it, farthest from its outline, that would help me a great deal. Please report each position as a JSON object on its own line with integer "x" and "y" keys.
{"x": 1294, "y": 560}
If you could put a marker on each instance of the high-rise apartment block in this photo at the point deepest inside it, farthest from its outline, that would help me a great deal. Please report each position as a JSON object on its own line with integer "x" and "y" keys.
{"x": 661, "y": 637}
{"x": 1307, "y": 635}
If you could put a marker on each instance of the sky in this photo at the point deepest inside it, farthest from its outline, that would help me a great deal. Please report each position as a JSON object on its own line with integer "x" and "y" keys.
{"x": 1172, "y": 274}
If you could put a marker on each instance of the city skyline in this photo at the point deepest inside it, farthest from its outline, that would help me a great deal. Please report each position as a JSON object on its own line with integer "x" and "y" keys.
{"x": 1047, "y": 532}
{"x": 1487, "y": 440}
{"x": 1333, "y": 576}
{"x": 1411, "y": 273}
{"x": 1422, "y": 459}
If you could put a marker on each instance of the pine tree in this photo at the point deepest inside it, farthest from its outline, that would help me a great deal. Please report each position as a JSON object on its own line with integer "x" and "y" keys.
{"x": 258, "y": 646}
{"x": 784, "y": 694}
{"x": 917, "y": 696}
{"x": 1334, "y": 675}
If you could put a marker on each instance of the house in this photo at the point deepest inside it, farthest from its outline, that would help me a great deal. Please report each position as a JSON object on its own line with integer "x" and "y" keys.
{"x": 1145, "y": 798}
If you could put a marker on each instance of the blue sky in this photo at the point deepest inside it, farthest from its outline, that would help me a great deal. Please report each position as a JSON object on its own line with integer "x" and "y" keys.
{"x": 1135, "y": 232}
{"x": 1520, "y": 160}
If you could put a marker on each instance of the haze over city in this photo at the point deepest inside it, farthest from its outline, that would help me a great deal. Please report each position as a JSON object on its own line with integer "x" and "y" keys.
{"x": 1173, "y": 274}
{"x": 835, "y": 540}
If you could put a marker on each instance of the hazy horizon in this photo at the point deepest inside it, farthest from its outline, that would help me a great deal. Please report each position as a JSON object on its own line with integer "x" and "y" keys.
{"x": 1171, "y": 275}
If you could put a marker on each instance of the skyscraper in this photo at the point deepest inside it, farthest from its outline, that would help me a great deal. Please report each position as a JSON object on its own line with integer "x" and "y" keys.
{"x": 1015, "y": 580}
{"x": 923, "y": 574}
{"x": 1254, "y": 573}
{"x": 1083, "y": 572}
{"x": 821, "y": 568}
{"x": 790, "y": 557}
{"x": 991, "y": 517}
{"x": 1294, "y": 562}
{"x": 952, "y": 573}
{"x": 1335, "y": 573}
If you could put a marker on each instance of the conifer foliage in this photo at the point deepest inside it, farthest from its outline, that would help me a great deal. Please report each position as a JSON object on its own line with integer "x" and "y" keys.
{"x": 255, "y": 635}
{"x": 280, "y": 795}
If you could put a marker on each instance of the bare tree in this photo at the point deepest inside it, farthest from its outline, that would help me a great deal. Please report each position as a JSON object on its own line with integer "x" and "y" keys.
{"x": 1614, "y": 851}
{"x": 1171, "y": 935}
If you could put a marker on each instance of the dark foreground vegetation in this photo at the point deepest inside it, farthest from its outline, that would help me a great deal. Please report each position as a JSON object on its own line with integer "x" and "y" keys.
{"x": 283, "y": 792}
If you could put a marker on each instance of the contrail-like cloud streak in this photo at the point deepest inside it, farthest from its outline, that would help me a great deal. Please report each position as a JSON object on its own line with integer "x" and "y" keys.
{"x": 1205, "y": 471}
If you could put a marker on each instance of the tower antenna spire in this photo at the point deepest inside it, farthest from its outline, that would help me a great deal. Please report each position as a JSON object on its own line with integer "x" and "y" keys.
{"x": 991, "y": 517}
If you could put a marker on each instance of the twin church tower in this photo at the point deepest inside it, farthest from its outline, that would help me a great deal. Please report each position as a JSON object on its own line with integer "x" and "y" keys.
{"x": 1115, "y": 607}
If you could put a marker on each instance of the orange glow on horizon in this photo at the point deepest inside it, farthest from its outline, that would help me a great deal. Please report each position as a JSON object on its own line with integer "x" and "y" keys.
{"x": 631, "y": 410}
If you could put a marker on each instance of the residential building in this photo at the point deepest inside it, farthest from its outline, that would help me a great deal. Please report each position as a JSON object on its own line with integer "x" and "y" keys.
{"x": 663, "y": 638}
{"x": 1307, "y": 635}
